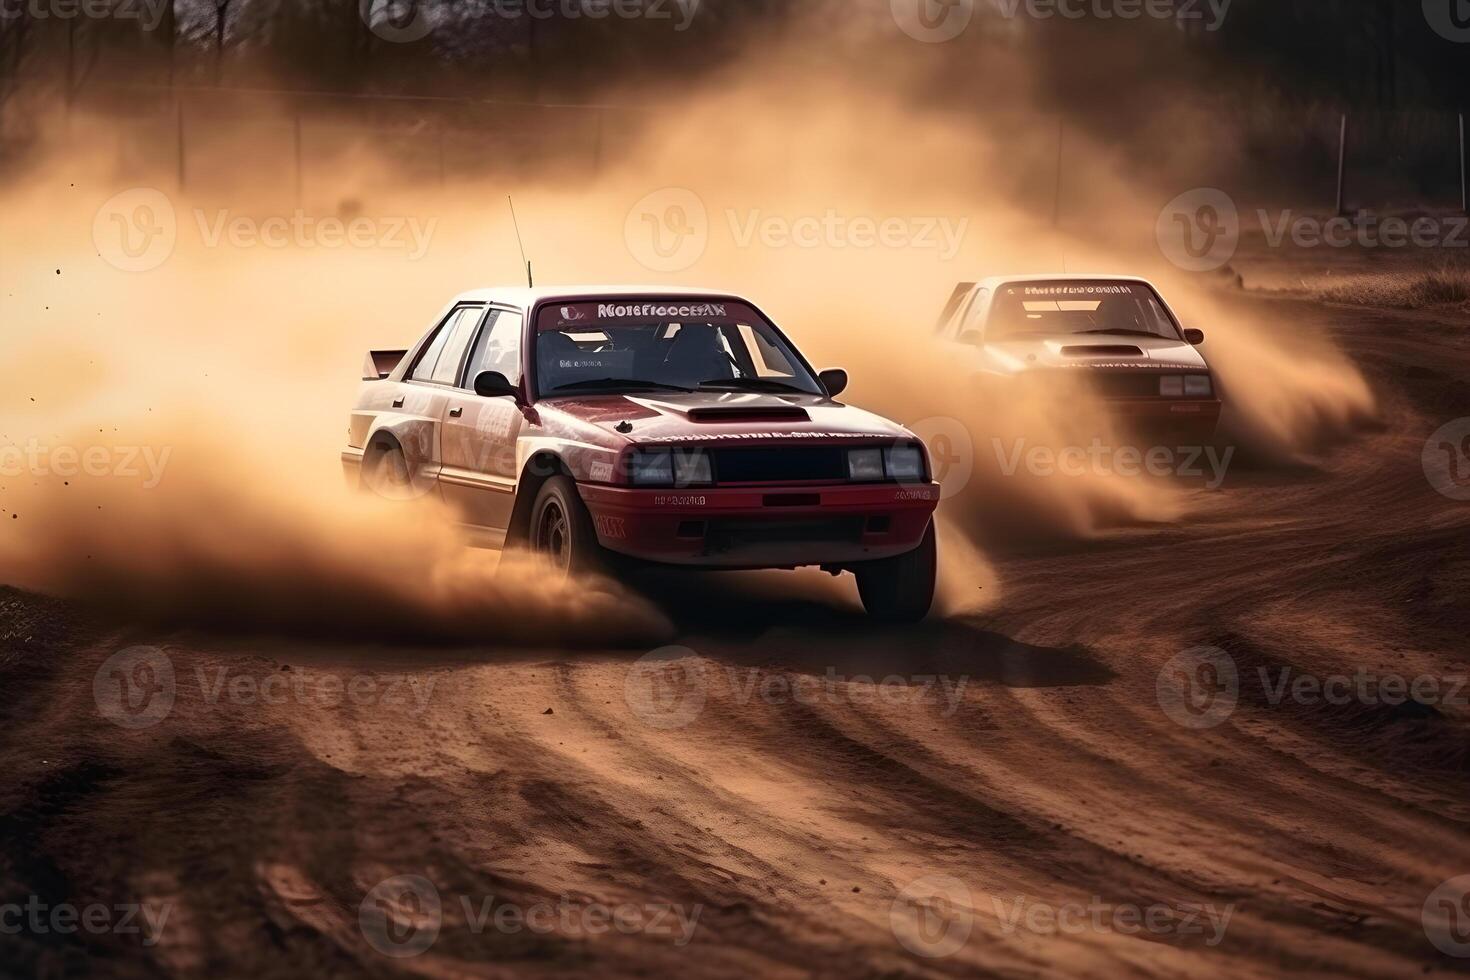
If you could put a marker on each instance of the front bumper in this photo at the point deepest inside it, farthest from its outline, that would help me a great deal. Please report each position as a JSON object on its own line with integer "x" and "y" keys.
{"x": 763, "y": 527}
{"x": 1172, "y": 418}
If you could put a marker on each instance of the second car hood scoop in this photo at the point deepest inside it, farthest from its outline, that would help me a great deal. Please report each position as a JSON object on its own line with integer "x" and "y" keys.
{"x": 1102, "y": 350}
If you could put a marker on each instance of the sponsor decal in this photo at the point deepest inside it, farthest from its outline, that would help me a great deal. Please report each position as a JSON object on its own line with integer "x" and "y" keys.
{"x": 601, "y": 472}
{"x": 698, "y": 311}
{"x": 924, "y": 494}
{"x": 571, "y": 314}
{"x": 612, "y": 528}
{"x": 1076, "y": 291}
{"x": 768, "y": 436}
{"x": 681, "y": 501}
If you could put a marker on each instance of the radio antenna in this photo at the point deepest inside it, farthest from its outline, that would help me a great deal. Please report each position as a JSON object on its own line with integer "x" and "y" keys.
{"x": 530, "y": 279}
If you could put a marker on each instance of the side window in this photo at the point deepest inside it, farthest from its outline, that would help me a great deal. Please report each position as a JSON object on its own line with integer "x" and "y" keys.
{"x": 972, "y": 330}
{"x": 499, "y": 347}
{"x": 427, "y": 368}
{"x": 447, "y": 372}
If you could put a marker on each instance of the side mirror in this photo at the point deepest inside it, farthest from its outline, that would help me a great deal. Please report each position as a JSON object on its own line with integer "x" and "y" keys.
{"x": 1194, "y": 337}
{"x": 834, "y": 380}
{"x": 493, "y": 384}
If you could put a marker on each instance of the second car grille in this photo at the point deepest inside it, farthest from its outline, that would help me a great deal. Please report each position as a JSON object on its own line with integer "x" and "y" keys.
{"x": 1125, "y": 384}
{"x": 780, "y": 464}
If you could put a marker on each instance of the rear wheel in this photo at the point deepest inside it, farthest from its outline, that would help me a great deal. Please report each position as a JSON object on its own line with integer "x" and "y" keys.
{"x": 561, "y": 528}
{"x": 901, "y": 589}
{"x": 389, "y": 476}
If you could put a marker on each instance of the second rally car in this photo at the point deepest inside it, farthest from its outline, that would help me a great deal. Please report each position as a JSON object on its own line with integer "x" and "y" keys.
{"x": 668, "y": 426}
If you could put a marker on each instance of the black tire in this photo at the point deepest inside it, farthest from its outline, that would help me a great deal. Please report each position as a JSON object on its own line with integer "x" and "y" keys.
{"x": 901, "y": 589}
{"x": 561, "y": 529}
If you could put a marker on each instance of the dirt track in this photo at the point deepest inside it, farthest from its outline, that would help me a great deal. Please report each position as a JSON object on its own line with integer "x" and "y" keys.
{"x": 815, "y": 826}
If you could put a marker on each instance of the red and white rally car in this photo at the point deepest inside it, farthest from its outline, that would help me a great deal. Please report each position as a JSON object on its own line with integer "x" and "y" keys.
{"x": 664, "y": 425}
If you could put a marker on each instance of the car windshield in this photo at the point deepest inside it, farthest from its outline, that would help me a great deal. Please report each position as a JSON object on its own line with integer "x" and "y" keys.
{"x": 631, "y": 345}
{"x": 1079, "y": 308}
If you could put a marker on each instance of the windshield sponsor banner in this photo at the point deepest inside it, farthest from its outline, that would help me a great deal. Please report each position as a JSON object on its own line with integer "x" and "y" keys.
{"x": 636, "y": 312}
{"x": 769, "y": 436}
{"x": 1084, "y": 290}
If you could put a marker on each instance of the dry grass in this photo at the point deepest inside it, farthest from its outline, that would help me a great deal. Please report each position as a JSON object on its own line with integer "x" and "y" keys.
{"x": 1402, "y": 290}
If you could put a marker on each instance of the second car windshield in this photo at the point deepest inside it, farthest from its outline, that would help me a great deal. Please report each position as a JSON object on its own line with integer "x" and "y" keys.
{"x": 663, "y": 345}
{"x": 1078, "y": 308}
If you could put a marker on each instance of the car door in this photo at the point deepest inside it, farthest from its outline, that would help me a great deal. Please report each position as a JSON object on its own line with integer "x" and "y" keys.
{"x": 418, "y": 401}
{"x": 480, "y": 472}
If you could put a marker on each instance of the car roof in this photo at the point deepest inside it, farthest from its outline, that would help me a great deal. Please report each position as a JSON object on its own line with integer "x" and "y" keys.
{"x": 994, "y": 281}
{"x": 525, "y": 298}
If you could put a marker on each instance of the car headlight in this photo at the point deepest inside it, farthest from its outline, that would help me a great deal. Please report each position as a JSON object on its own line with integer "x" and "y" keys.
{"x": 865, "y": 465}
{"x": 905, "y": 464}
{"x": 671, "y": 467}
{"x": 1171, "y": 386}
{"x": 1198, "y": 386}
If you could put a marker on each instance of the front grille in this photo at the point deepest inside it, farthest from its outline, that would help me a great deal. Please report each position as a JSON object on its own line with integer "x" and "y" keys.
{"x": 731, "y": 535}
{"x": 780, "y": 464}
{"x": 1125, "y": 384}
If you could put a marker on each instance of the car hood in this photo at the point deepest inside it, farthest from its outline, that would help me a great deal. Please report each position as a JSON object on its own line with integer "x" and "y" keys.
{"x": 725, "y": 417}
{"x": 1098, "y": 352}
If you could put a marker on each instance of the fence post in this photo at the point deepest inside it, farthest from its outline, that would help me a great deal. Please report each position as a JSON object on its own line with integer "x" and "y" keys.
{"x": 299, "y": 178}
{"x": 1341, "y": 164}
{"x": 183, "y": 172}
{"x": 1056, "y": 212}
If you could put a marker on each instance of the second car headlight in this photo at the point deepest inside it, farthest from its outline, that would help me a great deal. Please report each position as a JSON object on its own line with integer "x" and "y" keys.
{"x": 1171, "y": 386}
{"x": 1198, "y": 386}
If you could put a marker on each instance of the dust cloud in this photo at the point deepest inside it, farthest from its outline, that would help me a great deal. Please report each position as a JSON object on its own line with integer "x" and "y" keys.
{"x": 848, "y": 213}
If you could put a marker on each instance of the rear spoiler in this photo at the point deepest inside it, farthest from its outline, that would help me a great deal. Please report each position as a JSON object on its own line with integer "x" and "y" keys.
{"x": 961, "y": 291}
{"x": 380, "y": 364}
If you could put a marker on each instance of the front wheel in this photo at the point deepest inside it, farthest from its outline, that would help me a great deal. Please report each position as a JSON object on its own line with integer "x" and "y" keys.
{"x": 561, "y": 528}
{"x": 901, "y": 589}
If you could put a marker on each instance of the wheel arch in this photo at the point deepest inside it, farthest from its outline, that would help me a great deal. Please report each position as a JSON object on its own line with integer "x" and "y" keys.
{"x": 542, "y": 466}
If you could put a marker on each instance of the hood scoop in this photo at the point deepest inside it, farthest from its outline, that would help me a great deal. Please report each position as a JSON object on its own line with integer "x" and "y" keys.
{"x": 1103, "y": 350}
{"x": 749, "y": 413}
